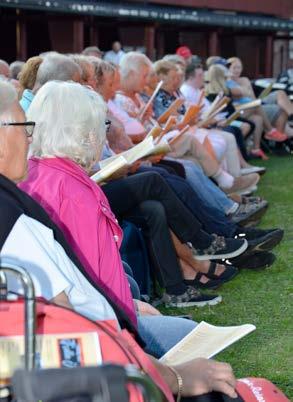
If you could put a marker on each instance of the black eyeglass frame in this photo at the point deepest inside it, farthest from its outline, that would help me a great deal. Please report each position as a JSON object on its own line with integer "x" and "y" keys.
{"x": 23, "y": 124}
{"x": 108, "y": 124}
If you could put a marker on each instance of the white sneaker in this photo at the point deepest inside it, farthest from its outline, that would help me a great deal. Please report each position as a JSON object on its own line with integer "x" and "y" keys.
{"x": 253, "y": 169}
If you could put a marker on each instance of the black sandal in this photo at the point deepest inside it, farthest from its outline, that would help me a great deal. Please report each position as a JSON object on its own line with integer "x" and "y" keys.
{"x": 210, "y": 284}
{"x": 225, "y": 276}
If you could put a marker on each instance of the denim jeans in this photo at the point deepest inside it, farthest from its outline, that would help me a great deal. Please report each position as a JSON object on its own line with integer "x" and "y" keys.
{"x": 205, "y": 188}
{"x": 161, "y": 333}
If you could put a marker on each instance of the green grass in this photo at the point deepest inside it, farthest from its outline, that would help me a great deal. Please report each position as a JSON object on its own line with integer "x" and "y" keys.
{"x": 263, "y": 298}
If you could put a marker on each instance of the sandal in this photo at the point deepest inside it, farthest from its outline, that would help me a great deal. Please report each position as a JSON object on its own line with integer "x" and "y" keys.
{"x": 259, "y": 153}
{"x": 210, "y": 284}
{"x": 225, "y": 276}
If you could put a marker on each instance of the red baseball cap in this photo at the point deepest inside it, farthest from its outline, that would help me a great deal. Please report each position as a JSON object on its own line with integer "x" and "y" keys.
{"x": 184, "y": 52}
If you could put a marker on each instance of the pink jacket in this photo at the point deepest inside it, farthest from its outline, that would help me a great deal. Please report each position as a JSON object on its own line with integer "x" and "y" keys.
{"x": 80, "y": 208}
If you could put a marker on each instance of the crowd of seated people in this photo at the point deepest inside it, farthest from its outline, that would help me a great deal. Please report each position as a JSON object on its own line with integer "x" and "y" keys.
{"x": 61, "y": 116}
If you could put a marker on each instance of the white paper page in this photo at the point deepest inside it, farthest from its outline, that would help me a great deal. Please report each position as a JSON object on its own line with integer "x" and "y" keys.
{"x": 109, "y": 169}
{"x": 139, "y": 151}
{"x": 205, "y": 341}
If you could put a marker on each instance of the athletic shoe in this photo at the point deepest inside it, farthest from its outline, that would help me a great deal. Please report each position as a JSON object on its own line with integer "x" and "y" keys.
{"x": 261, "y": 240}
{"x": 275, "y": 135}
{"x": 221, "y": 248}
{"x": 248, "y": 192}
{"x": 249, "y": 212}
{"x": 253, "y": 169}
{"x": 257, "y": 261}
{"x": 191, "y": 298}
{"x": 242, "y": 183}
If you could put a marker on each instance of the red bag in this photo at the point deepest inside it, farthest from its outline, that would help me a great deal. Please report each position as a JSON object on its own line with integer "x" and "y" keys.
{"x": 116, "y": 347}
{"x": 259, "y": 390}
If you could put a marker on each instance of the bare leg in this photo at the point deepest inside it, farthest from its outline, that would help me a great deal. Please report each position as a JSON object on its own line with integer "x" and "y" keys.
{"x": 266, "y": 122}
{"x": 284, "y": 102}
{"x": 245, "y": 128}
{"x": 257, "y": 134}
{"x": 281, "y": 121}
{"x": 188, "y": 264}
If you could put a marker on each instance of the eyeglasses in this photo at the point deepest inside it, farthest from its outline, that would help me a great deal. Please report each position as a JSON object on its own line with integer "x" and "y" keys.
{"x": 108, "y": 125}
{"x": 28, "y": 125}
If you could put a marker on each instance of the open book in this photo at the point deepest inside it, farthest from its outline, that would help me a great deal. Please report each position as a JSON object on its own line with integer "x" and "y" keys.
{"x": 205, "y": 341}
{"x": 145, "y": 148}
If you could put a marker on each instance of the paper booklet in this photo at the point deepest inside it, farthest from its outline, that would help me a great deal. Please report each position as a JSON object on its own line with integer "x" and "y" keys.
{"x": 116, "y": 163}
{"x": 145, "y": 148}
{"x": 52, "y": 351}
{"x": 266, "y": 91}
{"x": 205, "y": 341}
{"x": 248, "y": 105}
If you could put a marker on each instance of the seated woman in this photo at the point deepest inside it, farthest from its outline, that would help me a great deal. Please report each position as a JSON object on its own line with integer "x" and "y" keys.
{"x": 30, "y": 238}
{"x": 188, "y": 149}
{"x": 217, "y": 82}
{"x": 223, "y": 143}
{"x": 270, "y": 113}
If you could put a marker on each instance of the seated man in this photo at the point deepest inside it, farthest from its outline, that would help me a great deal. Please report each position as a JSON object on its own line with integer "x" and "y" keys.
{"x": 28, "y": 236}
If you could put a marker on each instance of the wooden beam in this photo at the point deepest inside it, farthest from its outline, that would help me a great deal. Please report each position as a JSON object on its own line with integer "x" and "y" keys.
{"x": 149, "y": 41}
{"x": 78, "y": 36}
{"x": 269, "y": 56}
{"x": 21, "y": 37}
{"x": 214, "y": 44}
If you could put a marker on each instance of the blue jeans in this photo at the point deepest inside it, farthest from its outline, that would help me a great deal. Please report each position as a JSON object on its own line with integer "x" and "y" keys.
{"x": 205, "y": 188}
{"x": 160, "y": 333}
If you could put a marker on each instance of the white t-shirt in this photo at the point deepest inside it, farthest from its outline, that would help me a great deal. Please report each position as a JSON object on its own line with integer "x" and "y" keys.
{"x": 192, "y": 96}
{"x": 32, "y": 246}
{"x": 114, "y": 57}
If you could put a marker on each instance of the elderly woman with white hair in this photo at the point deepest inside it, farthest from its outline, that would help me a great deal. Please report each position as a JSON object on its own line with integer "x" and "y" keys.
{"x": 68, "y": 139}
{"x": 29, "y": 238}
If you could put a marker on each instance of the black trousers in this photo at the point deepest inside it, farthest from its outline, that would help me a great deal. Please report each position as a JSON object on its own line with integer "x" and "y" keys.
{"x": 151, "y": 217}
{"x": 131, "y": 196}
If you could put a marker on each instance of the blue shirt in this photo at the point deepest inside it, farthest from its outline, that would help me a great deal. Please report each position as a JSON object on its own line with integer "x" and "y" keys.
{"x": 26, "y": 99}
{"x": 233, "y": 84}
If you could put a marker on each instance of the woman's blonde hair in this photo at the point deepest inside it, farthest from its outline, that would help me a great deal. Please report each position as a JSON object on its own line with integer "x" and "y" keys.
{"x": 217, "y": 75}
{"x": 70, "y": 122}
{"x": 163, "y": 67}
{"x": 232, "y": 60}
{"x": 28, "y": 73}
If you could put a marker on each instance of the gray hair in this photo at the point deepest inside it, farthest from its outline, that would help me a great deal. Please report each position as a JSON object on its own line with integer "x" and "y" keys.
{"x": 133, "y": 62}
{"x": 175, "y": 59}
{"x": 15, "y": 68}
{"x": 56, "y": 67}
{"x": 70, "y": 122}
{"x": 4, "y": 68}
{"x": 92, "y": 51}
{"x": 8, "y": 96}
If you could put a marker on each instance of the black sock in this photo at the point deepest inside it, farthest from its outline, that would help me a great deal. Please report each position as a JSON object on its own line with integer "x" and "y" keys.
{"x": 290, "y": 117}
{"x": 177, "y": 290}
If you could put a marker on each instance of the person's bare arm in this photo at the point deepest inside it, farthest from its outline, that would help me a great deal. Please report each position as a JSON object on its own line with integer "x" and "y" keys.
{"x": 245, "y": 83}
{"x": 62, "y": 300}
{"x": 200, "y": 376}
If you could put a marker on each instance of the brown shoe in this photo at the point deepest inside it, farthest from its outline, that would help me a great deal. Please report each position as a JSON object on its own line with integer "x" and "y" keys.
{"x": 243, "y": 184}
